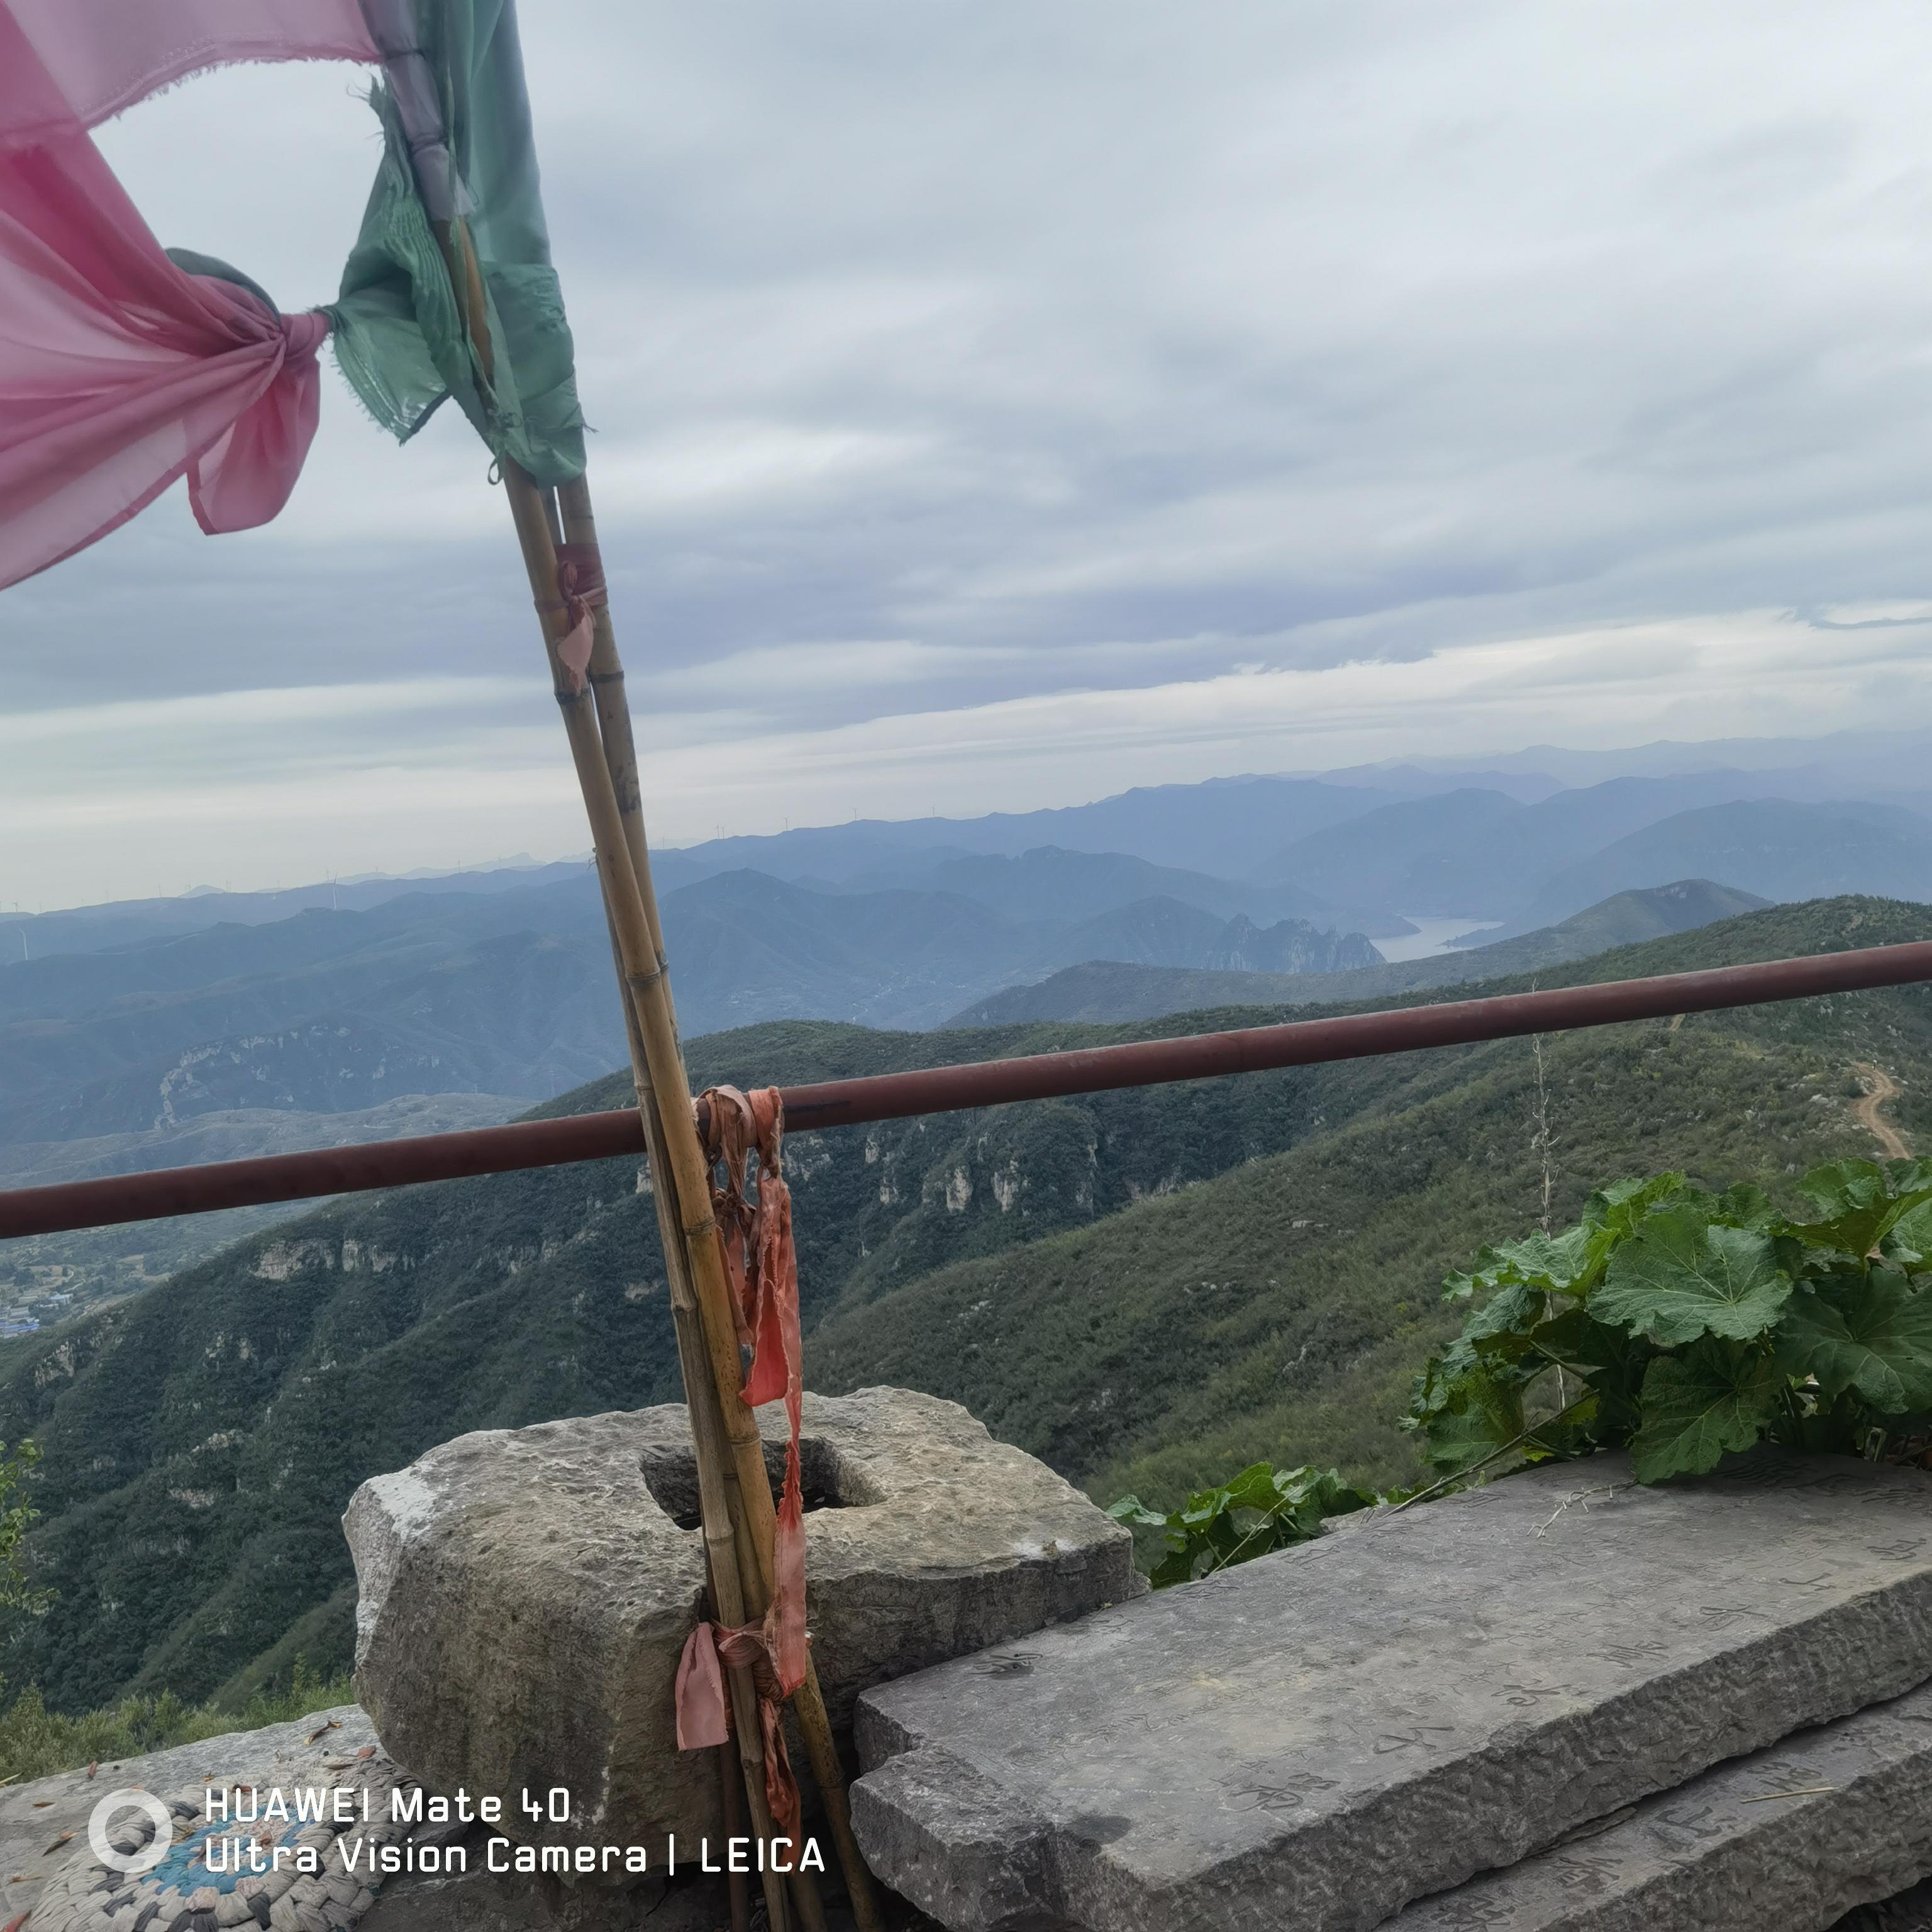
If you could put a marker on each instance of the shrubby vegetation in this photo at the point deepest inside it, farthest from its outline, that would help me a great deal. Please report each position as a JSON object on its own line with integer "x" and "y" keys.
{"x": 1675, "y": 1323}
{"x": 36, "y": 1742}
{"x": 1682, "y": 1325}
{"x": 1260, "y": 1509}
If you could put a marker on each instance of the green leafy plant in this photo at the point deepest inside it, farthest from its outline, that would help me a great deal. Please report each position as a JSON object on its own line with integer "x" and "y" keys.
{"x": 1262, "y": 1509}
{"x": 1682, "y": 1325}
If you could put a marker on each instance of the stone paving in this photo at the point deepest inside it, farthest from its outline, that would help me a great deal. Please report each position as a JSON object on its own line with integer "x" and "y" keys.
{"x": 1790, "y": 1838}
{"x": 41, "y": 1823}
{"x": 1316, "y": 1739}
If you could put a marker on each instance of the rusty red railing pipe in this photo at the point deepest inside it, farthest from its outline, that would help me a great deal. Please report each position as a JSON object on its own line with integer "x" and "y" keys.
{"x": 891, "y": 1096}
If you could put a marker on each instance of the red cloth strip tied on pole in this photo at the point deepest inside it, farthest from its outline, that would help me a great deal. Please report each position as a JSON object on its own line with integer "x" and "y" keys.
{"x": 704, "y": 1711}
{"x": 762, "y": 1264}
{"x": 581, "y": 593}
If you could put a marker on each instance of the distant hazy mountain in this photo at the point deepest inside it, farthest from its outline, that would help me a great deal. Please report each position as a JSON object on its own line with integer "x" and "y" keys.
{"x": 1419, "y": 781}
{"x": 1355, "y": 848}
{"x": 1626, "y": 919}
{"x": 1105, "y": 991}
{"x": 1842, "y": 764}
{"x": 1769, "y": 846}
{"x": 129, "y": 922}
{"x": 1480, "y": 853}
{"x": 1051, "y": 882}
{"x": 899, "y": 958}
{"x": 1224, "y": 825}
{"x": 1500, "y": 872}
{"x": 499, "y": 983}
{"x": 510, "y": 992}
{"x": 1228, "y": 826}
{"x": 1369, "y": 860}
{"x": 1290, "y": 946}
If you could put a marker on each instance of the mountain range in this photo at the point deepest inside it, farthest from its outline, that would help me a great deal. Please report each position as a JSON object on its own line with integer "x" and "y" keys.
{"x": 507, "y": 992}
{"x": 286, "y": 1016}
{"x": 1151, "y": 1288}
{"x": 1103, "y": 990}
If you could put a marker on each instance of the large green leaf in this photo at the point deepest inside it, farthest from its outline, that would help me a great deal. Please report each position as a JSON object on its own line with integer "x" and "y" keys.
{"x": 1500, "y": 1329}
{"x": 1909, "y": 1241}
{"x": 1858, "y": 1203}
{"x": 1451, "y": 1381}
{"x": 1611, "y": 1361}
{"x": 1697, "y": 1405}
{"x": 1867, "y": 1332}
{"x": 1678, "y": 1277}
{"x": 1262, "y": 1509}
{"x": 1457, "y": 1443}
{"x": 1546, "y": 1261}
{"x": 1477, "y": 1413}
{"x": 1745, "y": 1205}
{"x": 1616, "y": 1209}
{"x": 1563, "y": 1263}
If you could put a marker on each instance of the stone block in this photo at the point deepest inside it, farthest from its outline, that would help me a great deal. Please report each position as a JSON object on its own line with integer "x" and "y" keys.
{"x": 1822, "y": 1824}
{"x": 526, "y": 1594}
{"x": 1908, "y": 1911}
{"x": 1312, "y": 1741}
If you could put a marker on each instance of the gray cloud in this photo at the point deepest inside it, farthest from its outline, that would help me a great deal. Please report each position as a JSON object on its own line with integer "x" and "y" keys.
{"x": 945, "y": 356}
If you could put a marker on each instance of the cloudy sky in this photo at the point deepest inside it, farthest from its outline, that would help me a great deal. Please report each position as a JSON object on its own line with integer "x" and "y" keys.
{"x": 1000, "y": 405}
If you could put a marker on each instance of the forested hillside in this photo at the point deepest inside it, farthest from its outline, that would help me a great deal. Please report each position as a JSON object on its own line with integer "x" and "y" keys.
{"x": 1146, "y": 1287}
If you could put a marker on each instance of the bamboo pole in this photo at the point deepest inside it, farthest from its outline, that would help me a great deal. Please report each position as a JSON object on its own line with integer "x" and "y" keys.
{"x": 725, "y": 1548}
{"x": 613, "y": 716}
{"x": 637, "y": 934}
{"x": 731, "y": 1794}
{"x": 684, "y": 1169}
{"x": 719, "y": 1513}
{"x": 620, "y": 758}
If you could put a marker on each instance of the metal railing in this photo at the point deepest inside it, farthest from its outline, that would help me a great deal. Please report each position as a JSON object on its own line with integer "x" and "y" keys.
{"x": 890, "y": 1096}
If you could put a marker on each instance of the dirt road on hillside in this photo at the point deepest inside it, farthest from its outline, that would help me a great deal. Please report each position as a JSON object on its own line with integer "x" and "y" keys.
{"x": 1880, "y": 1087}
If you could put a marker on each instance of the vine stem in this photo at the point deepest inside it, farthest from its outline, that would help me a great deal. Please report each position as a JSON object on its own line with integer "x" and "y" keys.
{"x": 1495, "y": 1455}
{"x": 1280, "y": 1504}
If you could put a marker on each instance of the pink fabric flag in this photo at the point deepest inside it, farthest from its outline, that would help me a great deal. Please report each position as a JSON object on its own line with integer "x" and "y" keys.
{"x": 91, "y": 58}
{"x": 119, "y": 371}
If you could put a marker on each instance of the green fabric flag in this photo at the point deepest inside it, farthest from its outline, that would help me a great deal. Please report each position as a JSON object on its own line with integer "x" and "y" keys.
{"x": 399, "y": 332}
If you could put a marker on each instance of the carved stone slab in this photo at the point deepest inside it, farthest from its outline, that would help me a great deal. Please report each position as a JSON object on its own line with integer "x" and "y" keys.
{"x": 1313, "y": 1740}
{"x": 1793, "y": 1837}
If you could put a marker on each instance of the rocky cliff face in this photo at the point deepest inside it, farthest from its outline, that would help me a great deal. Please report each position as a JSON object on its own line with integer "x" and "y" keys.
{"x": 1290, "y": 946}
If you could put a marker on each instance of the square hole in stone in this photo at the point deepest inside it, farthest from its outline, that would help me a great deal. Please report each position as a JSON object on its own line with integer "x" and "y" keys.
{"x": 829, "y": 1480}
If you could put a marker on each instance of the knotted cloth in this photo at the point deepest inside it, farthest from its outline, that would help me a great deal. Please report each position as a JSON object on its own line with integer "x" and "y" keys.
{"x": 122, "y": 367}
{"x": 581, "y": 592}
{"x": 761, "y": 1264}
{"x": 704, "y": 1711}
